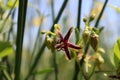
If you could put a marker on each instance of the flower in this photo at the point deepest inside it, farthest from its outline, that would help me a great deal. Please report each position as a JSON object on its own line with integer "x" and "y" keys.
{"x": 64, "y": 44}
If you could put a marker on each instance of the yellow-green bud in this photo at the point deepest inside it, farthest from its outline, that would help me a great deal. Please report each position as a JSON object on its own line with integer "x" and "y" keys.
{"x": 99, "y": 58}
{"x": 86, "y": 36}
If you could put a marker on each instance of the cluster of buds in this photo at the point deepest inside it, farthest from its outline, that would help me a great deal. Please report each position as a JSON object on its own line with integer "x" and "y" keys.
{"x": 90, "y": 35}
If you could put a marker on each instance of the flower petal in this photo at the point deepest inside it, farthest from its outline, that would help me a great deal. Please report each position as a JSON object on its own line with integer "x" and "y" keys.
{"x": 67, "y": 53}
{"x": 68, "y": 34}
{"x": 60, "y": 35}
{"x": 73, "y": 46}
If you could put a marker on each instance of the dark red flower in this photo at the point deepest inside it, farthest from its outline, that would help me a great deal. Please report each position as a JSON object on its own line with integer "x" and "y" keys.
{"x": 63, "y": 43}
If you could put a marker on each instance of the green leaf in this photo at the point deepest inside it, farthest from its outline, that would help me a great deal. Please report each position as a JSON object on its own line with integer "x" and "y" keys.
{"x": 5, "y": 49}
{"x": 48, "y": 70}
{"x": 117, "y": 53}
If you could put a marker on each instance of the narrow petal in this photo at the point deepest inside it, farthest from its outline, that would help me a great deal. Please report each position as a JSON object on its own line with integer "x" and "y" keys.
{"x": 68, "y": 34}
{"x": 73, "y": 46}
{"x": 60, "y": 35}
{"x": 67, "y": 53}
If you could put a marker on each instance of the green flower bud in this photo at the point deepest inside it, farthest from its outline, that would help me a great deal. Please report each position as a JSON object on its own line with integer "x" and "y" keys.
{"x": 86, "y": 36}
{"x": 92, "y": 17}
{"x": 94, "y": 41}
{"x": 84, "y": 20}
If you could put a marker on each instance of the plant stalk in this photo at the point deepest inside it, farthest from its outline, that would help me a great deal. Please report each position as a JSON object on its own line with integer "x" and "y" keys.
{"x": 101, "y": 13}
{"x": 20, "y": 33}
{"x": 76, "y": 71}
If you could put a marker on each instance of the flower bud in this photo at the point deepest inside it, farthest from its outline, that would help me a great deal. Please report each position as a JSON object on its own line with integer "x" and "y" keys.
{"x": 92, "y": 17}
{"x": 94, "y": 41}
{"x": 99, "y": 58}
{"x": 84, "y": 20}
{"x": 86, "y": 36}
{"x": 57, "y": 27}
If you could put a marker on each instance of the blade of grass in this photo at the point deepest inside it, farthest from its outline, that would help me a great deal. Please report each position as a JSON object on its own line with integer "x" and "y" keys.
{"x": 20, "y": 33}
{"x": 37, "y": 57}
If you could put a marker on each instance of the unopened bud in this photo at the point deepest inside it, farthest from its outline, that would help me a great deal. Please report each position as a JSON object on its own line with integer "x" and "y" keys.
{"x": 57, "y": 27}
{"x": 92, "y": 17}
{"x": 84, "y": 20}
{"x": 94, "y": 41}
{"x": 86, "y": 36}
{"x": 99, "y": 58}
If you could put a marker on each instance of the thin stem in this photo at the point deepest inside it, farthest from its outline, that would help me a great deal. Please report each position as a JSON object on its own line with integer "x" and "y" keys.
{"x": 101, "y": 13}
{"x": 52, "y": 10}
{"x": 93, "y": 70}
{"x": 59, "y": 14}
{"x": 76, "y": 71}
{"x": 20, "y": 34}
{"x": 79, "y": 14}
{"x": 43, "y": 46}
{"x": 55, "y": 64}
{"x": 36, "y": 41}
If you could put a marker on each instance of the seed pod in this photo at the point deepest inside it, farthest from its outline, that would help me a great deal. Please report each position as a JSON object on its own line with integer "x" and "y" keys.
{"x": 94, "y": 41}
{"x": 86, "y": 36}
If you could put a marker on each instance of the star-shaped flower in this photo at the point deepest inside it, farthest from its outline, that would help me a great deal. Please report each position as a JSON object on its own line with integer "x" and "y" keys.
{"x": 64, "y": 44}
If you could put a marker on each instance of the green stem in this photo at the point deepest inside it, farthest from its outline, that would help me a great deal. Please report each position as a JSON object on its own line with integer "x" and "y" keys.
{"x": 93, "y": 70}
{"x": 76, "y": 71}
{"x": 79, "y": 14}
{"x": 37, "y": 57}
{"x": 20, "y": 33}
{"x": 101, "y": 13}
{"x": 55, "y": 64}
{"x": 52, "y": 8}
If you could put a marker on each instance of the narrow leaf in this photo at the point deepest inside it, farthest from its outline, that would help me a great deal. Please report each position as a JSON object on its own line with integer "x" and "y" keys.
{"x": 117, "y": 53}
{"x": 48, "y": 70}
